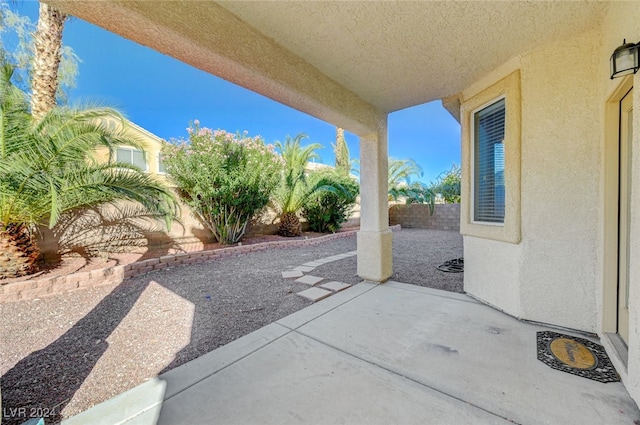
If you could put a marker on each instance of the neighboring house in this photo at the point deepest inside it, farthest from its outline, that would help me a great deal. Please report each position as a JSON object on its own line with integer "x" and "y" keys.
{"x": 147, "y": 157}
{"x": 106, "y": 228}
{"x": 550, "y": 208}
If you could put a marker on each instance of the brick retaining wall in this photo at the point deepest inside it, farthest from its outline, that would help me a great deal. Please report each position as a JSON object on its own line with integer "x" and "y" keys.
{"x": 36, "y": 288}
{"x": 445, "y": 216}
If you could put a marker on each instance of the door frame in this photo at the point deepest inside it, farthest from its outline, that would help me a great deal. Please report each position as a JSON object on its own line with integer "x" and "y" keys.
{"x": 611, "y": 210}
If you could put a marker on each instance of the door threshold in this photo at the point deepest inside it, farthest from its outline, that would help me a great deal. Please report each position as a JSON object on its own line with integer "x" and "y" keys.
{"x": 620, "y": 347}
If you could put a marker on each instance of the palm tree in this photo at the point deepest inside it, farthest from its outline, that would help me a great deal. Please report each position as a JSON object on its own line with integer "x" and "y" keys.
{"x": 341, "y": 152}
{"x": 400, "y": 173}
{"x": 400, "y": 185}
{"x": 46, "y": 61}
{"x": 294, "y": 190}
{"x": 47, "y": 169}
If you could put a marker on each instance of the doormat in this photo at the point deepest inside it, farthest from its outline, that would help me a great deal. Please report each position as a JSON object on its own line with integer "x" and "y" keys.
{"x": 577, "y": 356}
{"x": 452, "y": 266}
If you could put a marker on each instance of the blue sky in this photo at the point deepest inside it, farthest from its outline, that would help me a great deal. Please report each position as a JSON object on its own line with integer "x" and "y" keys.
{"x": 162, "y": 95}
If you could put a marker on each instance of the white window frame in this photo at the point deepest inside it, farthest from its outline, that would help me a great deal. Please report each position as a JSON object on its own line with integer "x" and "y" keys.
{"x": 158, "y": 164}
{"x": 132, "y": 149}
{"x": 473, "y": 162}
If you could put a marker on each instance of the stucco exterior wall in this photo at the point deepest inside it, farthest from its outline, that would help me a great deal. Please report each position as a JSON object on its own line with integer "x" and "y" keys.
{"x": 558, "y": 272}
{"x": 552, "y": 275}
{"x": 562, "y": 129}
{"x": 492, "y": 272}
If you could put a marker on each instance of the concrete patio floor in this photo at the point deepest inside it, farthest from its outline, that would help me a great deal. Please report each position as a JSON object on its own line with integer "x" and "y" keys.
{"x": 380, "y": 354}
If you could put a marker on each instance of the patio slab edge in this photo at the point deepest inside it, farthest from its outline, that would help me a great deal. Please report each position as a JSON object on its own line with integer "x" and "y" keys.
{"x": 142, "y": 403}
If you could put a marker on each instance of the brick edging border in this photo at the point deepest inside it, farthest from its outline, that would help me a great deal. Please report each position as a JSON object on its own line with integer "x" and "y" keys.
{"x": 35, "y": 288}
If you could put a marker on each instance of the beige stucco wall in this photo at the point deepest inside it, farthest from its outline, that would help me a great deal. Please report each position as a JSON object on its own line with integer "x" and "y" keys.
{"x": 562, "y": 129}
{"x": 492, "y": 272}
{"x": 552, "y": 275}
{"x": 557, "y": 273}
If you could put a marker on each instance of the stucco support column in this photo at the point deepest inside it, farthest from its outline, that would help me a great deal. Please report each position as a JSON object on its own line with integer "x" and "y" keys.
{"x": 374, "y": 237}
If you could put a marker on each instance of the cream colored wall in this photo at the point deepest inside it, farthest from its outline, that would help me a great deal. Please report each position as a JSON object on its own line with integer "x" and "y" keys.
{"x": 552, "y": 275}
{"x": 492, "y": 272}
{"x": 562, "y": 129}
{"x": 557, "y": 273}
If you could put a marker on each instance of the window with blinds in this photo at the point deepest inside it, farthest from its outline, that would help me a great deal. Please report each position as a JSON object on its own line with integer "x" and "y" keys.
{"x": 132, "y": 156}
{"x": 488, "y": 165}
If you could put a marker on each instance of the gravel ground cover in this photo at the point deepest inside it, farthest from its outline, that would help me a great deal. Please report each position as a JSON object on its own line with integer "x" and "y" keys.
{"x": 63, "y": 354}
{"x": 416, "y": 254}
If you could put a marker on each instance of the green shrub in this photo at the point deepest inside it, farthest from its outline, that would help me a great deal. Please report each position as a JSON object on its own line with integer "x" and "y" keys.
{"x": 224, "y": 178}
{"x": 448, "y": 185}
{"x": 327, "y": 210}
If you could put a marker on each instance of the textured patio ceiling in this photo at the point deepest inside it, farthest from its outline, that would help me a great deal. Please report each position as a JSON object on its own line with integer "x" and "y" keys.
{"x": 345, "y": 62}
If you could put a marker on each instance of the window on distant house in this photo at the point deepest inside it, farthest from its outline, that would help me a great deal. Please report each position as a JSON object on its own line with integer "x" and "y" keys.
{"x": 488, "y": 163}
{"x": 132, "y": 156}
{"x": 161, "y": 167}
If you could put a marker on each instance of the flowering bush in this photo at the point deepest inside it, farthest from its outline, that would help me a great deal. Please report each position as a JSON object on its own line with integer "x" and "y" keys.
{"x": 224, "y": 178}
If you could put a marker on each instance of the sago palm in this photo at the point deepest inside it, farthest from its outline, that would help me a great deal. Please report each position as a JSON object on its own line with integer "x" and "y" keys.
{"x": 294, "y": 190}
{"x": 47, "y": 168}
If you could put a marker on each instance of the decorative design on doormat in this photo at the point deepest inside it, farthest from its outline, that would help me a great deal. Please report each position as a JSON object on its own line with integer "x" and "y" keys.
{"x": 577, "y": 356}
{"x": 452, "y": 266}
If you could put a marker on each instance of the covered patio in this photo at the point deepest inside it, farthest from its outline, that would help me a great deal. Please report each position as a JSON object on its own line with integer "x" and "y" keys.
{"x": 548, "y": 249}
{"x": 379, "y": 354}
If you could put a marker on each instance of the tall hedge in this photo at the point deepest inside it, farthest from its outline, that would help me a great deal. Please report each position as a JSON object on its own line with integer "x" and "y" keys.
{"x": 224, "y": 178}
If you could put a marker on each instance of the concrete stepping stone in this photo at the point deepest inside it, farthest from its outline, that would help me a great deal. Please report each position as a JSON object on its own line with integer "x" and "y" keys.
{"x": 315, "y": 294}
{"x": 309, "y": 279}
{"x": 292, "y": 273}
{"x": 334, "y": 258}
{"x": 312, "y": 264}
{"x": 335, "y": 286}
{"x": 304, "y": 269}
{"x": 323, "y": 261}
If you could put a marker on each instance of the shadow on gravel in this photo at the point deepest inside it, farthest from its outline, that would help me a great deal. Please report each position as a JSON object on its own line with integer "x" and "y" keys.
{"x": 227, "y": 308}
{"x": 79, "y": 349}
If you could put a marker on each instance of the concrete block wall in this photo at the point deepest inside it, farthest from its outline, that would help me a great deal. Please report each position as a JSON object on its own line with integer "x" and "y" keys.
{"x": 445, "y": 216}
{"x": 103, "y": 230}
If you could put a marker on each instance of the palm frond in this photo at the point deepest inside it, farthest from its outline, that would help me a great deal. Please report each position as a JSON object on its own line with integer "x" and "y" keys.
{"x": 290, "y": 196}
{"x": 47, "y": 166}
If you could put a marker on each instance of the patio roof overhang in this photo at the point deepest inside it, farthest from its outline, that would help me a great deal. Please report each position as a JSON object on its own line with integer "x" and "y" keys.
{"x": 348, "y": 63}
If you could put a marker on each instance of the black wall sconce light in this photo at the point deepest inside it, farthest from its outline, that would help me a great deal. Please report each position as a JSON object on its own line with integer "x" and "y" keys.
{"x": 624, "y": 59}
